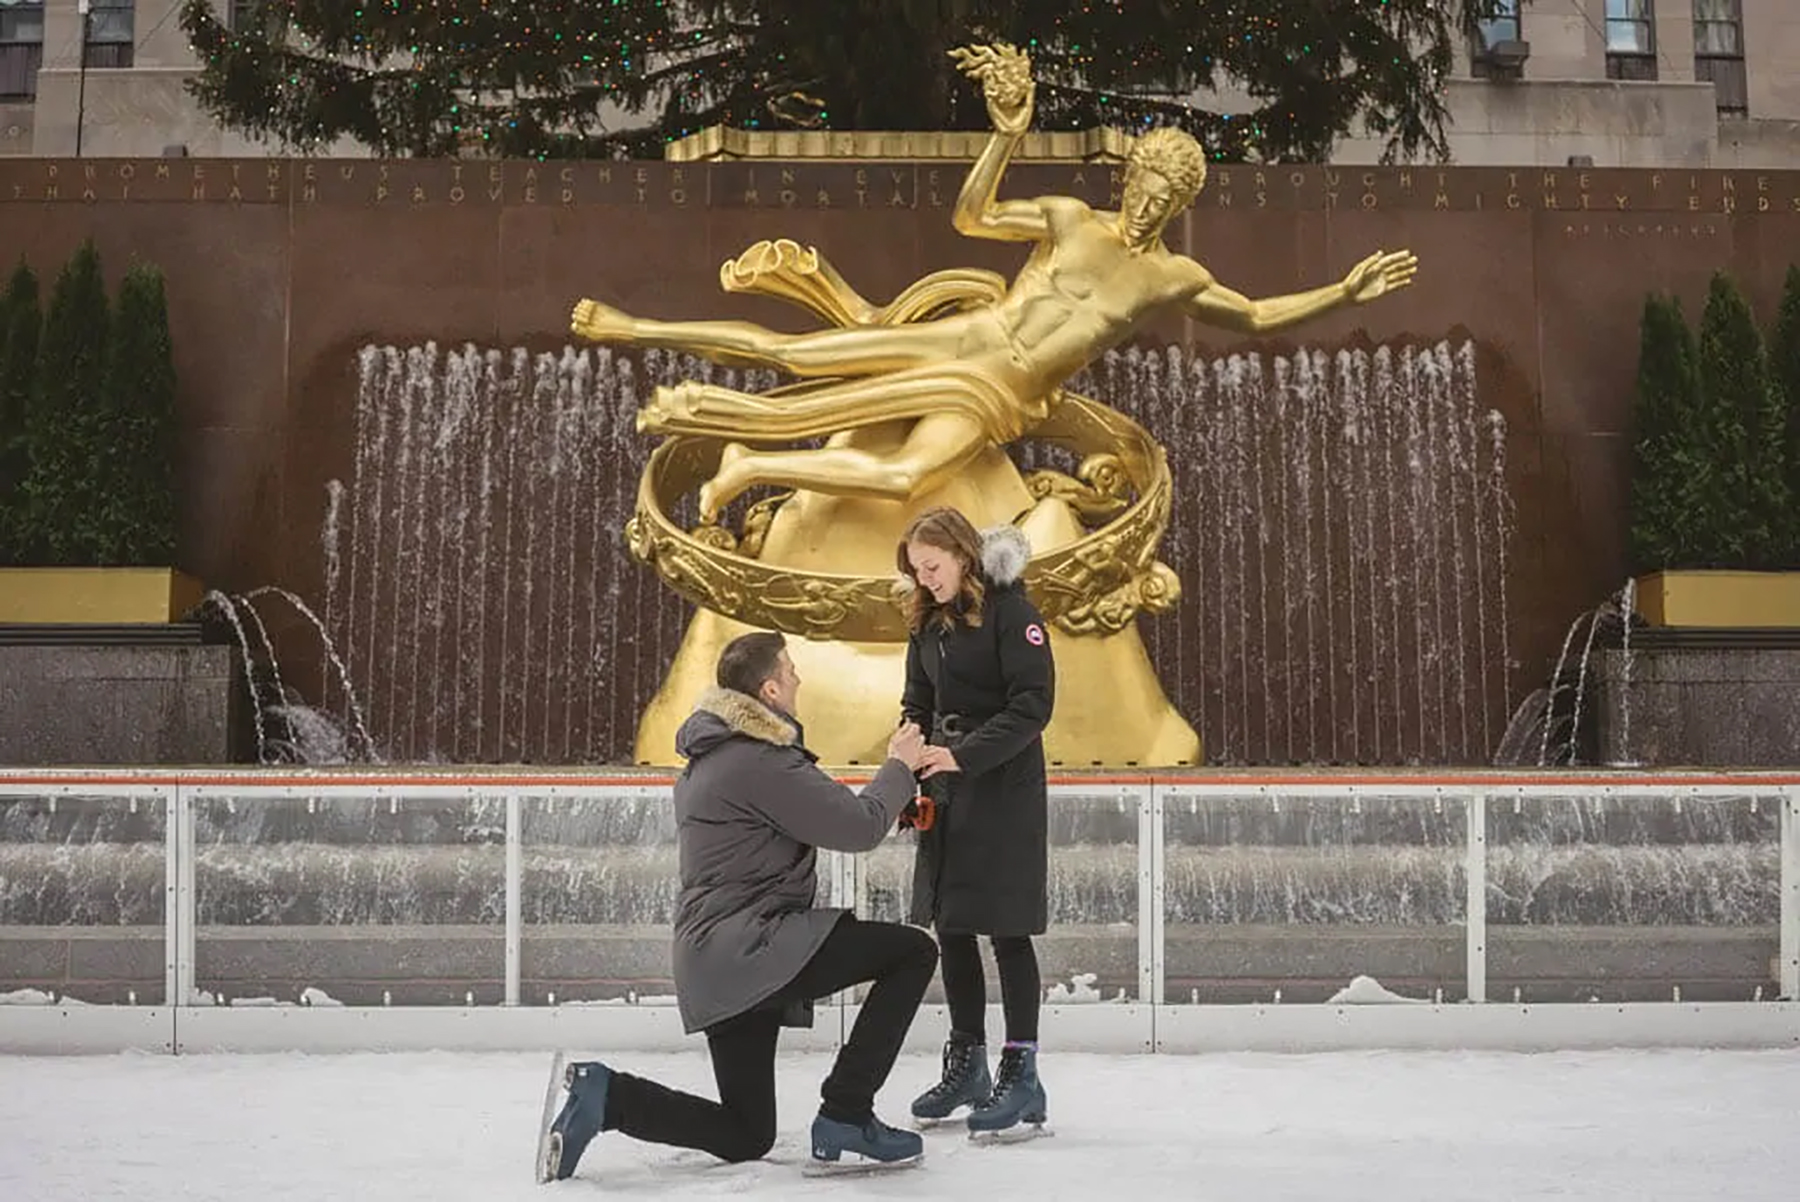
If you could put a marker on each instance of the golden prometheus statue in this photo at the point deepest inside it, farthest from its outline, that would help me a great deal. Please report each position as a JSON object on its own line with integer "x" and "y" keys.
{"x": 915, "y": 401}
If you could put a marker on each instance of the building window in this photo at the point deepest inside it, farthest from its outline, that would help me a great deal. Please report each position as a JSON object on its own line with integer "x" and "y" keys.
{"x": 21, "y": 49}
{"x": 111, "y": 33}
{"x": 1503, "y": 26}
{"x": 1719, "y": 53}
{"x": 1499, "y": 42}
{"x": 1631, "y": 39}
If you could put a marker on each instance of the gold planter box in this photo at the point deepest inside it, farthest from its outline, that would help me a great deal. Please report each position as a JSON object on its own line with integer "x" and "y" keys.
{"x": 1719, "y": 598}
{"x": 96, "y": 596}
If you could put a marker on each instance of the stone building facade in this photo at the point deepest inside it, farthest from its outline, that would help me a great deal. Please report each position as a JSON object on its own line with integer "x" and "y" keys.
{"x": 1620, "y": 83}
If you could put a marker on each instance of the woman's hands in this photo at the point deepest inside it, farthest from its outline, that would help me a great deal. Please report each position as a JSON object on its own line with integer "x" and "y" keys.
{"x": 908, "y": 746}
{"x": 936, "y": 760}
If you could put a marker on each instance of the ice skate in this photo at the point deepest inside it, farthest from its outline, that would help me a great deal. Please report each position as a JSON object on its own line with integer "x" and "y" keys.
{"x": 872, "y": 1147}
{"x": 965, "y": 1082}
{"x": 562, "y": 1142}
{"x": 1018, "y": 1108}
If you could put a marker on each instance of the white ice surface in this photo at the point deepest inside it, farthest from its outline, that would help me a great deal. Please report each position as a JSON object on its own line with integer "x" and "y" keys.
{"x": 1342, "y": 1127}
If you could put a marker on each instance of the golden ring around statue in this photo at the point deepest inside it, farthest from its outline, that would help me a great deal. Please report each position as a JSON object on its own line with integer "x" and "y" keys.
{"x": 1096, "y": 584}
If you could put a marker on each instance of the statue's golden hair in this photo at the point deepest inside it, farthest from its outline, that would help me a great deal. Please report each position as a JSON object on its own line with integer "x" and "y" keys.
{"x": 1175, "y": 155}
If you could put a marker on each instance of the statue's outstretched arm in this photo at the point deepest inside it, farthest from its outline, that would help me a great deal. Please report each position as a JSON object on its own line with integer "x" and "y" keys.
{"x": 1376, "y": 276}
{"x": 1005, "y": 75}
{"x": 1226, "y": 309}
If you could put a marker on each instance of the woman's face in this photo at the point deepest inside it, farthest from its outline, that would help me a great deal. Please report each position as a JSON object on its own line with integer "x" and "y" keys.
{"x": 937, "y": 571}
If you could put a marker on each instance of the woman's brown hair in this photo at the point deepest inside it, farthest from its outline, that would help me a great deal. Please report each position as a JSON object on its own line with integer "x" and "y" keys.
{"x": 948, "y": 531}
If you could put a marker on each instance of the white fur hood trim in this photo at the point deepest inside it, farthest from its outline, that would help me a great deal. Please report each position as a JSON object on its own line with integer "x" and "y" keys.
{"x": 1004, "y": 553}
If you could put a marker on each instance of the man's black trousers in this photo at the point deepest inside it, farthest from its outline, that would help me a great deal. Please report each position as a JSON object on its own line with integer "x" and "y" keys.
{"x": 899, "y": 960}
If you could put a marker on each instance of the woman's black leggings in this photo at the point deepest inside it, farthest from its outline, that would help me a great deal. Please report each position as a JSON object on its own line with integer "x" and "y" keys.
{"x": 965, "y": 985}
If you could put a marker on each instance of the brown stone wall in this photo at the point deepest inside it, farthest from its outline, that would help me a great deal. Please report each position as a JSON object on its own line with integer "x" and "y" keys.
{"x": 280, "y": 273}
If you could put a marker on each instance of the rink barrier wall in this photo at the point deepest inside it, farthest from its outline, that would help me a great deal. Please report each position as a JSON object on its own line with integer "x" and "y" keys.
{"x": 1147, "y": 1024}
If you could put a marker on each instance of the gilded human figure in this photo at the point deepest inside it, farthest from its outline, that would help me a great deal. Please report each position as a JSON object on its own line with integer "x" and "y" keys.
{"x": 986, "y": 373}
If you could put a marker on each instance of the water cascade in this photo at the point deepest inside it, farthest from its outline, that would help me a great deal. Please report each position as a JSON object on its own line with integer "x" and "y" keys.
{"x": 1341, "y": 530}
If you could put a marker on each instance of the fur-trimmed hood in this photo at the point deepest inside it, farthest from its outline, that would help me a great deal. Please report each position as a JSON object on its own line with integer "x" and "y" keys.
{"x": 722, "y": 714}
{"x": 1004, "y": 553}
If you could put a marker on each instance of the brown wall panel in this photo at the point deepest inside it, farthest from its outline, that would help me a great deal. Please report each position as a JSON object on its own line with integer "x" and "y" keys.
{"x": 1364, "y": 580}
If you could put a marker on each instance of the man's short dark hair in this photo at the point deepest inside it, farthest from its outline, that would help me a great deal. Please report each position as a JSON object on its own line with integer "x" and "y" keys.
{"x": 749, "y": 660}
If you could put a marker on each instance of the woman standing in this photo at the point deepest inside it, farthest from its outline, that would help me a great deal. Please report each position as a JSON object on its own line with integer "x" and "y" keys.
{"x": 980, "y": 682}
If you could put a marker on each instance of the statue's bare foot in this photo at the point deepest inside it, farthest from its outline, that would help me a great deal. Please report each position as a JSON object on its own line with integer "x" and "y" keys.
{"x": 728, "y": 483}
{"x": 599, "y": 323}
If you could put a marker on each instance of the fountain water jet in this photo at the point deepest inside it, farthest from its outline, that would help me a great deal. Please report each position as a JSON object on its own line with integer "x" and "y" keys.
{"x": 1550, "y": 719}
{"x": 311, "y": 735}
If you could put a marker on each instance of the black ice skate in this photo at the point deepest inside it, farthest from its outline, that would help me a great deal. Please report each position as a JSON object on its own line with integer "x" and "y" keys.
{"x": 1018, "y": 1107}
{"x": 965, "y": 1082}
{"x": 839, "y": 1147}
{"x": 561, "y": 1143}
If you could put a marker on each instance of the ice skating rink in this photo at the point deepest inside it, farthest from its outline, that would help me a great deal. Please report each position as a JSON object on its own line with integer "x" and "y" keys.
{"x": 1643, "y": 1126}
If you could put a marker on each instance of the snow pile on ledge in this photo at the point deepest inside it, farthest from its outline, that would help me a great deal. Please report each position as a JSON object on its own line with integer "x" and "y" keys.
{"x": 1367, "y": 991}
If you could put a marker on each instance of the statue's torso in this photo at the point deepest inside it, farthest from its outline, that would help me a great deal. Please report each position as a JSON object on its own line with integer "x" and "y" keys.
{"x": 1083, "y": 292}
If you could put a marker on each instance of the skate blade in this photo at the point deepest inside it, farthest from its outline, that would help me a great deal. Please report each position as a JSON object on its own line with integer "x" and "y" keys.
{"x": 853, "y": 1165}
{"x": 1020, "y": 1134}
{"x": 549, "y": 1146}
{"x": 549, "y": 1156}
{"x": 919, "y": 1124}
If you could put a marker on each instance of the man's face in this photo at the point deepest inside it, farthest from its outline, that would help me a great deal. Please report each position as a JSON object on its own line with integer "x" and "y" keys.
{"x": 1146, "y": 206}
{"x": 781, "y": 692}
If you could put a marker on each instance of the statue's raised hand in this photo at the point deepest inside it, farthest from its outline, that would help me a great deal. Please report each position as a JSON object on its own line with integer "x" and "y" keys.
{"x": 1379, "y": 274}
{"x": 1006, "y": 83}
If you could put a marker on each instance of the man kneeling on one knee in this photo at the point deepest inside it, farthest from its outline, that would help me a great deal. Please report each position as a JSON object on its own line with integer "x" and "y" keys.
{"x": 751, "y": 952}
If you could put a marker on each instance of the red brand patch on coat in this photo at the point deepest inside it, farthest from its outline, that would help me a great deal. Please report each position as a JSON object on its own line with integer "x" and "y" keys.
{"x": 1034, "y": 634}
